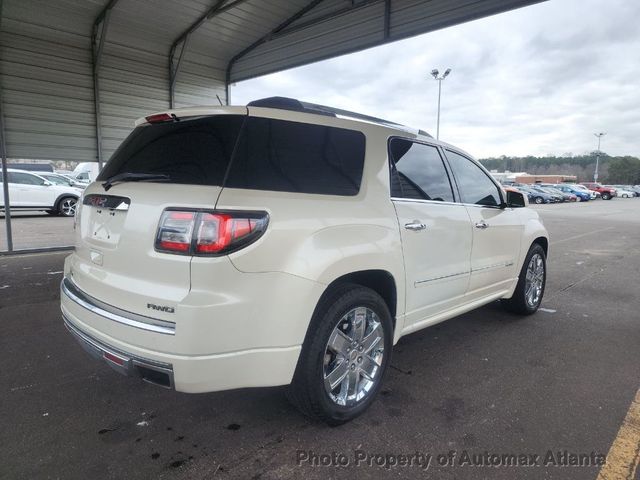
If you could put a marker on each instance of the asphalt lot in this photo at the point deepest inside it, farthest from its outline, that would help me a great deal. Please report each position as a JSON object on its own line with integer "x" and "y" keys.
{"x": 487, "y": 381}
{"x": 37, "y": 230}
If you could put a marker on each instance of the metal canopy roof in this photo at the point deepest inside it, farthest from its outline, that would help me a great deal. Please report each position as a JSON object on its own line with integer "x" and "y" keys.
{"x": 77, "y": 73}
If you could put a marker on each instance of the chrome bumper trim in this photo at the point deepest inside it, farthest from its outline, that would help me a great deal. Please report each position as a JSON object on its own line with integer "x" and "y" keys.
{"x": 113, "y": 313}
{"x": 131, "y": 363}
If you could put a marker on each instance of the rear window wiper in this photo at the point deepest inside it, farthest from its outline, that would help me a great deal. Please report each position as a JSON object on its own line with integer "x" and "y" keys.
{"x": 133, "y": 177}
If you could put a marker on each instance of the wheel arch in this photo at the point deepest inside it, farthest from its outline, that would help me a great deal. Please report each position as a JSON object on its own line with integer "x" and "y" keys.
{"x": 61, "y": 197}
{"x": 543, "y": 242}
{"x": 380, "y": 281}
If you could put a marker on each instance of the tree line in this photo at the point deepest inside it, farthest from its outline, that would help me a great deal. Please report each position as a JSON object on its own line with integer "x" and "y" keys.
{"x": 622, "y": 170}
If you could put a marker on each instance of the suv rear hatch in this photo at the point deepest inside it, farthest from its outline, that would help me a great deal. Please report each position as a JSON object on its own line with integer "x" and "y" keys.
{"x": 169, "y": 163}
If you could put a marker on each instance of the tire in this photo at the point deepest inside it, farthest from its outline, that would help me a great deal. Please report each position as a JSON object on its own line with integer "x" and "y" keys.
{"x": 606, "y": 196}
{"x": 539, "y": 200}
{"x": 520, "y": 302}
{"x": 67, "y": 206}
{"x": 336, "y": 319}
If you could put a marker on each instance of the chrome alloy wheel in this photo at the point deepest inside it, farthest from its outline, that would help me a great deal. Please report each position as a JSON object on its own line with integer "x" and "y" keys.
{"x": 353, "y": 357}
{"x": 68, "y": 207}
{"x": 534, "y": 280}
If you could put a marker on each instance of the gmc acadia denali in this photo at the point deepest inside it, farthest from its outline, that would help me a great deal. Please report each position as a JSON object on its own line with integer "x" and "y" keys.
{"x": 286, "y": 243}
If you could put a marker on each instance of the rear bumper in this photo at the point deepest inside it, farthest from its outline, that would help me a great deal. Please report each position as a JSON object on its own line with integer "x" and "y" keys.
{"x": 132, "y": 345}
{"x": 125, "y": 363}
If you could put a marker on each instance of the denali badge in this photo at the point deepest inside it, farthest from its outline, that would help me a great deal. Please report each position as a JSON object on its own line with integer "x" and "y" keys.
{"x": 161, "y": 308}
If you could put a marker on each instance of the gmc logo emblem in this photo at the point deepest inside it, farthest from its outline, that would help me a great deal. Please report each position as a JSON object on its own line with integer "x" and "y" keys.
{"x": 97, "y": 201}
{"x": 161, "y": 308}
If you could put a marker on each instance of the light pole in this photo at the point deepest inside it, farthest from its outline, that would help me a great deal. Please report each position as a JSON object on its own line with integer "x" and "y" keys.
{"x": 436, "y": 75}
{"x": 595, "y": 174}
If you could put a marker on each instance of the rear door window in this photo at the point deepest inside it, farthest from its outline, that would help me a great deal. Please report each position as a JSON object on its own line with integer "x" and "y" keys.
{"x": 24, "y": 178}
{"x": 286, "y": 156}
{"x": 191, "y": 151}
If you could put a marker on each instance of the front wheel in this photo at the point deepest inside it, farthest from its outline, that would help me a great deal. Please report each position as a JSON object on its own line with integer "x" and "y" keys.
{"x": 606, "y": 196}
{"x": 539, "y": 200}
{"x": 527, "y": 296}
{"x": 344, "y": 357}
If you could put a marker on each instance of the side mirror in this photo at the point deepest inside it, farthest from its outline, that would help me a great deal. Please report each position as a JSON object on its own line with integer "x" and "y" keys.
{"x": 47, "y": 183}
{"x": 516, "y": 199}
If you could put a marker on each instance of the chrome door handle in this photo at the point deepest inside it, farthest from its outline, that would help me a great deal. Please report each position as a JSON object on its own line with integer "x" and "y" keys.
{"x": 482, "y": 224}
{"x": 415, "y": 226}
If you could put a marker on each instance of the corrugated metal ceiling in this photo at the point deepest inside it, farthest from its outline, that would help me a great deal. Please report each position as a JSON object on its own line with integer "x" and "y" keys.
{"x": 46, "y": 60}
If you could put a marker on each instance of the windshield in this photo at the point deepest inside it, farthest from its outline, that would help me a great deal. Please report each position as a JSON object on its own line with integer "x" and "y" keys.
{"x": 57, "y": 180}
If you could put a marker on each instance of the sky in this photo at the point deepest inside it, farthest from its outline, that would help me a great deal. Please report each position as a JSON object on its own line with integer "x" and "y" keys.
{"x": 540, "y": 80}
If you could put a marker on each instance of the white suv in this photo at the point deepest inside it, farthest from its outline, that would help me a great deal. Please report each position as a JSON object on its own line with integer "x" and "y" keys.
{"x": 286, "y": 243}
{"x": 29, "y": 191}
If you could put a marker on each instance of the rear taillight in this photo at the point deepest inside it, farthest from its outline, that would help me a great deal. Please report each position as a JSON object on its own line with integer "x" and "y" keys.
{"x": 208, "y": 232}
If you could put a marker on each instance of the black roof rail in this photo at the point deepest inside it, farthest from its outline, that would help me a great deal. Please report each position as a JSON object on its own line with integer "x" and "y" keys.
{"x": 285, "y": 103}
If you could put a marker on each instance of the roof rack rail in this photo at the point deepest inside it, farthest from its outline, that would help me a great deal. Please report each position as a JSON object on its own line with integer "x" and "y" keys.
{"x": 285, "y": 103}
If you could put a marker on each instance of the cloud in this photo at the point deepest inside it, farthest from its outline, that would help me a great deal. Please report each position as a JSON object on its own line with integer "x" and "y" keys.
{"x": 538, "y": 80}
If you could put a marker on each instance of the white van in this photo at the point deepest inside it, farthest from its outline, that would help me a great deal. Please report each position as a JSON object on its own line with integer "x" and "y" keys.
{"x": 87, "y": 171}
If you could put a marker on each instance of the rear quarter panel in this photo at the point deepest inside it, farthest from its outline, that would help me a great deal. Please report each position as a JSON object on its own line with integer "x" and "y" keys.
{"x": 322, "y": 237}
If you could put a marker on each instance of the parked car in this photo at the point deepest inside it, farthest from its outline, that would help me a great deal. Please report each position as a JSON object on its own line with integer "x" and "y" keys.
{"x": 535, "y": 196}
{"x": 299, "y": 259}
{"x": 625, "y": 193}
{"x": 555, "y": 197}
{"x": 582, "y": 194}
{"x": 58, "y": 179}
{"x": 593, "y": 194}
{"x": 81, "y": 182}
{"x": 31, "y": 192}
{"x": 628, "y": 188}
{"x": 566, "y": 196}
{"x": 606, "y": 193}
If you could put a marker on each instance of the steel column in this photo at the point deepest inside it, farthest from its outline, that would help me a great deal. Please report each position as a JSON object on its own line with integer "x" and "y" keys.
{"x": 218, "y": 8}
{"x": 97, "y": 46}
{"x": 387, "y": 19}
{"x": 269, "y": 36}
{"x": 5, "y": 179}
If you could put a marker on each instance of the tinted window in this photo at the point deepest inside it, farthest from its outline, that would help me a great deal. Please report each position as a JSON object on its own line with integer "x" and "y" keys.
{"x": 418, "y": 172}
{"x": 24, "y": 179}
{"x": 192, "y": 151}
{"x": 474, "y": 185}
{"x": 298, "y": 157}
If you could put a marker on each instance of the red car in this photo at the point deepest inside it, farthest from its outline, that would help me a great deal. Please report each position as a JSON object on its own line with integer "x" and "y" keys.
{"x": 606, "y": 193}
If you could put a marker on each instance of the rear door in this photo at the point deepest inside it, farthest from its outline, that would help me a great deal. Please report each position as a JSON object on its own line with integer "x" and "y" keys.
{"x": 497, "y": 230}
{"x": 116, "y": 259}
{"x": 435, "y": 231}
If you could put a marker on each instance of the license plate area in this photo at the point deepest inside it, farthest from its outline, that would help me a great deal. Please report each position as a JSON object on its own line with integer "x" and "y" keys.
{"x": 107, "y": 214}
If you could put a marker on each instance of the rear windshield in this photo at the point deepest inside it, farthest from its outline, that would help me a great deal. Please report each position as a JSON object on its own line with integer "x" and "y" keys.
{"x": 261, "y": 154}
{"x": 195, "y": 151}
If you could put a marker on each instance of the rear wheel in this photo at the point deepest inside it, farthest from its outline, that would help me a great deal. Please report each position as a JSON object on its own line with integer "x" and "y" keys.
{"x": 344, "y": 357}
{"x": 527, "y": 296}
{"x": 67, "y": 206}
{"x": 606, "y": 196}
